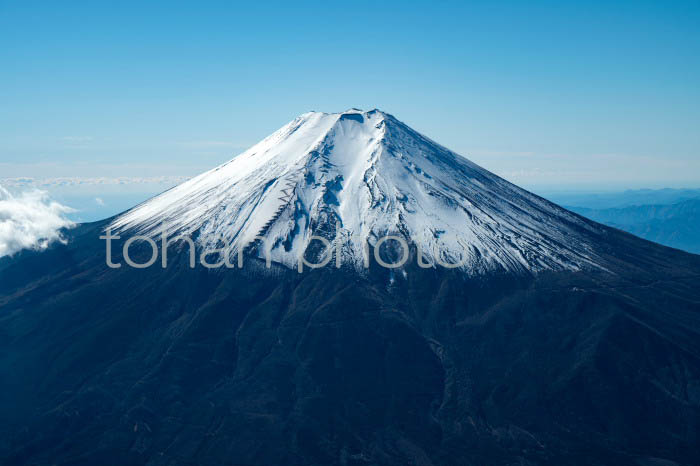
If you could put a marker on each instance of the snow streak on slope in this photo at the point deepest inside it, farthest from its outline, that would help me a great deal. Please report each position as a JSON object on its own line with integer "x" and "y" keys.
{"x": 354, "y": 177}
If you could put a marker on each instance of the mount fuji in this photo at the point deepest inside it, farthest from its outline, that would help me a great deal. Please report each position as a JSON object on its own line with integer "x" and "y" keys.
{"x": 354, "y": 177}
{"x": 527, "y": 335}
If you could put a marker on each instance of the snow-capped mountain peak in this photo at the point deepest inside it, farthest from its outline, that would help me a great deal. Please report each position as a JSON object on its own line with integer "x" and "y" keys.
{"x": 353, "y": 178}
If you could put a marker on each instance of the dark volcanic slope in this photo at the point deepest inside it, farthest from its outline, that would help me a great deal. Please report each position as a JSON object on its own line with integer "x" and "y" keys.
{"x": 180, "y": 366}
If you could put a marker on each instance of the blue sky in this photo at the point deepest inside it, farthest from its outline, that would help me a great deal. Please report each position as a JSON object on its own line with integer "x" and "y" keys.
{"x": 547, "y": 94}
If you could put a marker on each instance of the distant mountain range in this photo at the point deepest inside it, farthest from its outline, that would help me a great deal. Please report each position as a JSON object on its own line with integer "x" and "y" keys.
{"x": 619, "y": 199}
{"x": 675, "y": 225}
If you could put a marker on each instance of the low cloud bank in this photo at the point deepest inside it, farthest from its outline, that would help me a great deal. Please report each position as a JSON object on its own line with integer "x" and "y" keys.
{"x": 62, "y": 182}
{"x": 30, "y": 220}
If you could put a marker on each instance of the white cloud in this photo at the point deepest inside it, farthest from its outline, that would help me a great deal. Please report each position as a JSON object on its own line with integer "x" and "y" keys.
{"x": 30, "y": 220}
{"x": 214, "y": 143}
{"x": 76, "y": 139}
{"x": 27, "y": 182}
{"x": 99, "y": 201}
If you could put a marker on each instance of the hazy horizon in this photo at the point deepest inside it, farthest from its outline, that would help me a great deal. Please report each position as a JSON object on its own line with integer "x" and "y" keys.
{"x": 549, "y": 96}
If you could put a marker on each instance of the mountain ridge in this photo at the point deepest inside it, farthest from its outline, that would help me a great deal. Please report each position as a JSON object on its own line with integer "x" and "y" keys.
{"x": 674, "y": 225}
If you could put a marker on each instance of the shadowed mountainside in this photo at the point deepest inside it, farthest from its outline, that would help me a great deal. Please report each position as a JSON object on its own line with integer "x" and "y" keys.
{"x": 194, "y": 366}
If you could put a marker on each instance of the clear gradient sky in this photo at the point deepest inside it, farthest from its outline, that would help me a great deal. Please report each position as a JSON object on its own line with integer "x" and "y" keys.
{"x": 547, "y": 94}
